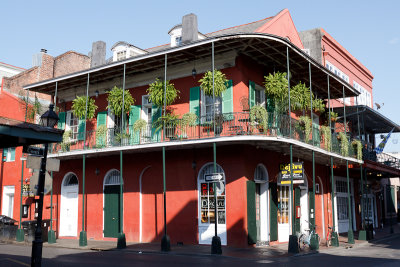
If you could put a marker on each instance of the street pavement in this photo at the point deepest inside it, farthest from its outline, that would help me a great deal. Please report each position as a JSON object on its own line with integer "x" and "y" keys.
{"x": 385, "y": 252}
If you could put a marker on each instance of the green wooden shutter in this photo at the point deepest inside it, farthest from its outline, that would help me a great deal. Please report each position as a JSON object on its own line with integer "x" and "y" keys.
{"x": 273, "y": 212}
{"x": 297, "y": 204}
{"x": 227, "y": 101}
{"x": 194, "y": 102}
{"x": 61, "y": 122}
{"x": 272, "y": 116}
{"x": 101, "y": 120}
{"x": 252, "y": 94}
{"x": 251, "y": 212}
{"x": 134, "y": 115}
{"x": 81, "y": 129}
{"x": 311, "y": 212}
{"x": 155, "y": 114}
{"x": 12, "y": 151}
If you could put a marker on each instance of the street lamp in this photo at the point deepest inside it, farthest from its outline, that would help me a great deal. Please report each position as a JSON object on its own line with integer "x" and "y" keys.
{"x": 48, "y": 119}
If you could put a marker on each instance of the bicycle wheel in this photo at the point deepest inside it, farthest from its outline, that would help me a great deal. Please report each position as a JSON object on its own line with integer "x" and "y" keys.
{"x": 302, "y": 241}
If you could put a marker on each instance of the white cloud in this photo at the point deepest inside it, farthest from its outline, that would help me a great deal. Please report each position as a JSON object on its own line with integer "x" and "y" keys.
{"x": 394, "y": 41}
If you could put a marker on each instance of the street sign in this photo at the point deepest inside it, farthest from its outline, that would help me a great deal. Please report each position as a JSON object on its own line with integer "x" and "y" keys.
{"x": 33, "y": 150}
{"x": 34, "y": 183}
{"x": 213, "y": 177}
{"x": 286, "y": 172}
{"x": 33, "y": 162}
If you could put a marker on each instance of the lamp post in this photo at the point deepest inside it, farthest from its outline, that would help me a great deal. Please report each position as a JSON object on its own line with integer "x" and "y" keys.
{"x": 48, "y": 119}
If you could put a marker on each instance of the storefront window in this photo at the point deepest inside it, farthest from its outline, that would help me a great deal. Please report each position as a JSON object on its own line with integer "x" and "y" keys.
{"x": 207, "y": 200}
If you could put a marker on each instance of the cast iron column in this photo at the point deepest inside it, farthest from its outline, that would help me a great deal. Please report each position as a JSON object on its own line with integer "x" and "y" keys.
{"x": 52, "y": 234}
{"x": 20, "y": 231}
{"x": 165, "y": 241}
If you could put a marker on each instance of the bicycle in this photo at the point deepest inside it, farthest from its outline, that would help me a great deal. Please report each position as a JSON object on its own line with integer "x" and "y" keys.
{"x": 329, "y": 236}
{"x": 305, "y": 239}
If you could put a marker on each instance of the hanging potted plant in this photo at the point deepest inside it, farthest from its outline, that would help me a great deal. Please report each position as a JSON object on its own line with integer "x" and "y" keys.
{"x": 357, "y": 146}
{"x": 276, "y": 88}
{"x": 259, "y": 117}
{"x": 66, "y": 141}
{"x": 327, "y": 137}
{"x": 304, "y": 127}
{"x": 220, "y": 83}
{"x": 188, "y": 120}
{"x": 101, "y": 133}
{"x": 79, "y": 107}
{"x": 156, "y": 96}
{"x": 116, "y": 97}
{"x": 344, "y": 144}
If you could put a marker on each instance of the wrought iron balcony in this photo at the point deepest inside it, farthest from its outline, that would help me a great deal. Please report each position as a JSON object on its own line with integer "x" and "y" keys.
{"x": 224, "y": 125}
{"x": 382, "y": 158}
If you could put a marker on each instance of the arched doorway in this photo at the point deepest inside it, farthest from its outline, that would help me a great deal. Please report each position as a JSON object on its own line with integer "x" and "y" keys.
{"x": 69, "y": 205}
{"x": 261, "y": 201}
{"x": 111, "y": 210}
{"x": 304, "y": 207}
{"x": 206, "y": 206}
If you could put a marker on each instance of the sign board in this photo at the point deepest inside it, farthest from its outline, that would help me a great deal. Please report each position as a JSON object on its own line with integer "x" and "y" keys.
{"x": 214, "y": 177}
{"x": 26, "y": 191}
{"x": 33, "y": 162}
{"x": 285, "y": 173}
{"x": 34, "y": 183}
{"x": 33, "y": 150}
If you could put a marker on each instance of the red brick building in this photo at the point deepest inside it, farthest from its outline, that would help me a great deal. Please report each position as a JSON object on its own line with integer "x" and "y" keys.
{"x": 254, "y": 206}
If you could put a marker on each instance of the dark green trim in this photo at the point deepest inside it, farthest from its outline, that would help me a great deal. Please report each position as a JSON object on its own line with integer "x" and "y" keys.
{"x": 273, "y": 218}
{"x": 30, "y": 134}
{"x": 251, "y": 213}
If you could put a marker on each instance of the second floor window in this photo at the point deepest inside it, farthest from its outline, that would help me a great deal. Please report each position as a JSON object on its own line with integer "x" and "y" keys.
{"x": 9, "y": 154}
{"x": 207, "y": 107}
{"x": 178, "y": 40}
{"x": 72, "y": 125}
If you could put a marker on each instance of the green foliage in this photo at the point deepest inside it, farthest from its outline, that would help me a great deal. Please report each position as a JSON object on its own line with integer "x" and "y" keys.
{"x": 318, "y": 105}
{"x": 220, "y": 83}
{"x": 101, "y": 131}
{"x": 276, "y": 87}
{"x": 170, "y": 120}
{"x": 259, "y": 115}
{"x": 189, "y": 119}
{"x": 114, "y": 99}
{"x": 357, "y": 145}
{"x": 304, "y": 124}
{"x": 156, "y": 92}
{"x": 139, "y": 125}
{"x": 344, "y": 144}
{"x": 334, "y": 115}
{"x": 300, "y": 97}
{"x": 32, "y": 107}
{"x": 121, "y": 138}
{"x": 66, "y": 142}
{"x": 327, "y": 137}
{"x": 79, "y": 107}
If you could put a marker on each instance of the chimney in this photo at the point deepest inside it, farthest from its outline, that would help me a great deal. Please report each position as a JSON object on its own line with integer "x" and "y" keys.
{"x": 37, "y": 58}
{"x": 98, "y": 54}
{"x": 189, "y": 28}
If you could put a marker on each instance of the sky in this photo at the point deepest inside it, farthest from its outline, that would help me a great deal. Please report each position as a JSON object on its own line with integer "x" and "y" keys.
{"x": 369, "y": 30}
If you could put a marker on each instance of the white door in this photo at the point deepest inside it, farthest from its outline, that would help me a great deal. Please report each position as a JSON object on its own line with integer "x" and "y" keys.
{"x": 207, "y": 206}
{"x": 342, "y": 205}
{"x": 69, "y": 206}
{"x": 262, "y": 216}
{"x": 370, "y": 210}
{"x": 304, "y": 218}
{"x": 283, "y": 213}
{"x": 8, "y": 201}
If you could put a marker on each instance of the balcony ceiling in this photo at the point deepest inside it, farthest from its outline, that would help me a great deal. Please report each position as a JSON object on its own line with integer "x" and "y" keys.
{"x": 268, "y": 50}
{"x": 374, "y": 121}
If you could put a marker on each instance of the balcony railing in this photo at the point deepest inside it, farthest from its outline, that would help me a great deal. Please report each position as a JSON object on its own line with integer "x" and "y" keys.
{"x": 226, "y": 125}
{"x": 383, "y": 158}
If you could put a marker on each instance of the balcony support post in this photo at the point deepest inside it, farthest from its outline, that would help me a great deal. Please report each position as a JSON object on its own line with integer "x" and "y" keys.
{"x": 83, "y": 234}
{"x": 52, "y": 234}
{"x": 293, "y": 240}
{"x": 20, "y": 231}
{"x": 165, "y": 240}
{"x": 334, "y": 237}
{"x": 121, "y": 243}
{"x": 350, "y": 236}
{"x": 212, "y": 67}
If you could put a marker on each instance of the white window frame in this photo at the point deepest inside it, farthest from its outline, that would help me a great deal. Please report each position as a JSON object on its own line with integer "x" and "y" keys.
{"x": 205, "y": 117}
{"x": 68, "y": 127}
{"x": 259, "y": 90}
{"x": 121, "y": 55}
{"x": 365, "y": 96}
{"x": 341, "y": 75}
{"x": 7, "y": 153}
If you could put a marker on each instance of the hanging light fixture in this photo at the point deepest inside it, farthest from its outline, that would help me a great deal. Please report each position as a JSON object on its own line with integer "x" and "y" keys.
{"x": 194, "y": 72}
{"x": 49, "y": 118}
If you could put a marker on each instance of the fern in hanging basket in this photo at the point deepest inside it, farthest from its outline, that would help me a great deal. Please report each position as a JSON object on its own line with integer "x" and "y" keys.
{"x": 79, "y": 107}
{"x": 344, "y": 144}
{"x": 115, "y": 100}
{"x": 318, "y": 105}
{"x": 259, "y": 116}
{"x": 327, "y": 137}
{"x": 357, "y": 145}
{"x": 304, "y": 124}
{"x": 220, "y": 83}
{"x": 139, "y": 125}
{"x": 156, "y": 93}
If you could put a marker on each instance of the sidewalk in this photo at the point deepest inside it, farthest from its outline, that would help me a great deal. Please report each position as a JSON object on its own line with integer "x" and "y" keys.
{"x": 275, "y": 251}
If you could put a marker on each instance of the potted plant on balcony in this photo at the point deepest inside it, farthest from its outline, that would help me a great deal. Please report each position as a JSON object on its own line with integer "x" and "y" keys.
{"x": 139, "y": 126}
{"x": 344, "y": 144}
{"x": 327, "y": 137}
{"x": 259, "y": 117}
{"x": 188, "y": 119}
{"x": 156, "y": 96}
{"x": 304, "y": 127}
{"x": 357, "y": 146}
{"x": 66, "y": 141}
{"x": 219, "y": 123}
{"x": 116, "y": 96}
{"x": 101, "y": 134}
